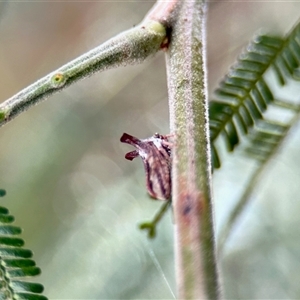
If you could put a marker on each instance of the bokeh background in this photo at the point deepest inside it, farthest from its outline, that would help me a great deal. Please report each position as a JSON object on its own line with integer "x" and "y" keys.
{"x": 77, "y": 198}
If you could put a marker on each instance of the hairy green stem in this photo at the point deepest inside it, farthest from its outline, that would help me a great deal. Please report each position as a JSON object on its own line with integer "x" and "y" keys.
{"x": 197, "y": 276}
{"x": 129, "y": 47}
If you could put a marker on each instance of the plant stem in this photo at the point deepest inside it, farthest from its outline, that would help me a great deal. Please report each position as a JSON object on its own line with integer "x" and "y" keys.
{"x": 151, "y": 226}
{"x": 130, "y": 47}
{"x": 197, "y": 276}
{"x": 164, "y": 12}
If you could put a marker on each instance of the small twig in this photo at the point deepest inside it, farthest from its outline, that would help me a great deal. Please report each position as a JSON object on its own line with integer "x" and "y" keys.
{"x": 151, "y": 226}
{"x": 130, "y": 47}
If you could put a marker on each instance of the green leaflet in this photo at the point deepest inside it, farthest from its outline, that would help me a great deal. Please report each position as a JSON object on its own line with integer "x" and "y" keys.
{"x": 241, "y": 102}
{"x": 244, "y": 96}
{"x": 15, "y": 263}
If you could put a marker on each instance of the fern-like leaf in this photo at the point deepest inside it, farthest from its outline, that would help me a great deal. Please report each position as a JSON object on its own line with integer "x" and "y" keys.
{"x": 244, "y": 95}
{"x": 265, "y": 139}
{"x": 264, "y": 143}
{"x": 265, "y": 134}
{"x": 16, "y": 265}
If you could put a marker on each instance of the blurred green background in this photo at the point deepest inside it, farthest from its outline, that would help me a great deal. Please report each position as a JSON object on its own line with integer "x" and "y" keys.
{"x": 77, "y": 198}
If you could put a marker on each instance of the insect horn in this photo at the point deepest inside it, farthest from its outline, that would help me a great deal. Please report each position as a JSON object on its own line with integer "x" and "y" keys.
{"x": 131, "y": 140}
{"x": 131, "y": 155}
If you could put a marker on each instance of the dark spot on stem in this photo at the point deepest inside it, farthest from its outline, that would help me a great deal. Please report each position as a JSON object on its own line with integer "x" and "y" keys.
{"x": 186, "y": 209}
{"x": 187, "y": 205}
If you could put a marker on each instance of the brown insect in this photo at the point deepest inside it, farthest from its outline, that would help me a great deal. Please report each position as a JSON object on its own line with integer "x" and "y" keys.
{"x": 156, "y": 156}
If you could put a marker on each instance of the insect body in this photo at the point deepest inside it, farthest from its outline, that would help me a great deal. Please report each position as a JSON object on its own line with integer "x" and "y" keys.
{"x": 155, "y": 153}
